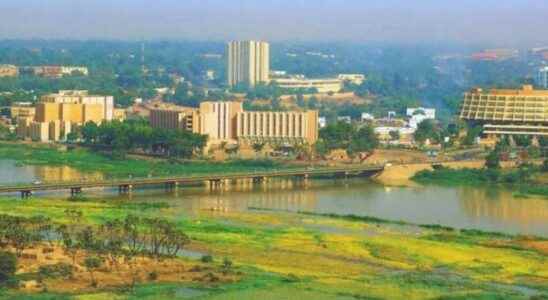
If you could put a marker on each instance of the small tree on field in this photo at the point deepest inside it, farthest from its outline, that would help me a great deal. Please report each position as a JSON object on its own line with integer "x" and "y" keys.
{"x": 92, "y": 264}
{"x": 8, "y": 266}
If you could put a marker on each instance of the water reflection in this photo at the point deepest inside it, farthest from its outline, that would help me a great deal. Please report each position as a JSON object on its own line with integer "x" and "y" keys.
{"x": 493, "y": 209}
{"x": 11, "y": 172}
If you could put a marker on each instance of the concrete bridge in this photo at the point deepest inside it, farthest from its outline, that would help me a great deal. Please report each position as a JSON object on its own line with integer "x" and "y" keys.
{"x": 127, "y": 185}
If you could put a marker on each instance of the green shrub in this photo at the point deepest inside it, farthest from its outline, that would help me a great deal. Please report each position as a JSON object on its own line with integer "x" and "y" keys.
{"x": 207, "y": 258}
{"x": 8, "y": 266}
{"x": 60, "y": 270}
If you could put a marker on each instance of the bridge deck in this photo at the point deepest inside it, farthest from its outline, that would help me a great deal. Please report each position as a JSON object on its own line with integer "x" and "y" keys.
{"x": 184, "y": 179}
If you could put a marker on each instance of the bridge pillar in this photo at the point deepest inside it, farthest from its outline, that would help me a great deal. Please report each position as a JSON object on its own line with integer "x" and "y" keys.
{"x": 172, "y": 185}
{"x": 259, "y": 179}
{"x": 26, "y": 194}
{"x": 215, "y": 183}
{"x": 125, "y": 188}
{"x": 75, "y": 191}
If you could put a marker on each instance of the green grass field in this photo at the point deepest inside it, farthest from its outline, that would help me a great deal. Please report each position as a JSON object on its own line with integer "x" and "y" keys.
{"x": 305, "y": 256}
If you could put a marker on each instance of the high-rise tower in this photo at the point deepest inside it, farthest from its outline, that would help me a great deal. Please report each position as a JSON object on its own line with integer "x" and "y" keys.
{"x": 248, "y": 62}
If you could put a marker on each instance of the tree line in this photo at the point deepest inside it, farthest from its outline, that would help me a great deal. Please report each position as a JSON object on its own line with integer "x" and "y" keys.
{"x": 345, "y": 136}
{"x": 122, "y": 137}
{"x": 117, "y": 241}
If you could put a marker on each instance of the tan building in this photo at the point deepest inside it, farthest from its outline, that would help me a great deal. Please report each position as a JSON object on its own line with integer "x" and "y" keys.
{"x": 248, "y": 62}
{"x": 173, "y": 118}
{"x": 22, "y": 111}
{"x": 218, "y": 120}
{"x": 356, "y": 79}
{"x": 285, "y": 127}
{"x": 328, "y": 85}
{"x": 508, "y": 112}
{"x": 57, "y": 114}
{"x": 228, "y": 122}
{"x": 9, "y": 71}
{"x": 83, "y": 97}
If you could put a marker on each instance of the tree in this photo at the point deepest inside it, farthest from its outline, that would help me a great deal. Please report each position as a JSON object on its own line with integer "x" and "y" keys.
{"x": 426, "y": 130}
{"x": 492, "y": 161}
{"x": 258, "y": 147}
{"x": 363, "y": 140}
{"x": 8, "y": 266}
{"x": 92, "y": 263}
{"x": 394, "y": 135}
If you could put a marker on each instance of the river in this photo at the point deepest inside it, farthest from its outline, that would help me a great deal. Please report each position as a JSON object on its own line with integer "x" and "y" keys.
{"x": 484, "y": 208}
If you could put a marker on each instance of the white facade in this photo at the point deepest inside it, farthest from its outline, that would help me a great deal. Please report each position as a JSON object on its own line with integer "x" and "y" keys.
{"x": 345, "y": 119}
{"x": 322, "y": 122}
{"x": 328, "y": 85}
{"x": 542, "y": 78}
{"x": 430, "y": 113}
{"x": 367, "y": 117}
{"x": 357, "y": 79}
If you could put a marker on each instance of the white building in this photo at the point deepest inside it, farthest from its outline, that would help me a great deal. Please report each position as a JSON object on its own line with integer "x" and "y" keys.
{"x": 327, "y": 85}
{"x": 345, "y": 119}
{"x": 322, "y": 122}
{"x": 357, "y": 79}
{"x": 542, "y": 78}
{"x": 367, "y": 117}
{"x": 419, "y": 114}
{"x": 430, "y": 113}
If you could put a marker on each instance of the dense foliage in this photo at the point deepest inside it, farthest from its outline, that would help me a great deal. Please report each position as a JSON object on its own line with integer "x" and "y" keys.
{"x": 345, "y": 136}
{"x": 132, "y": 135}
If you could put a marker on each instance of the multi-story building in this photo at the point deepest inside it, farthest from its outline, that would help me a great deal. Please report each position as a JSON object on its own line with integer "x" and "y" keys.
{"x": 248, "y": 62}
{"x": 59, "y": 71}
{"x": 228, "y": 122}
{"x": 9, "y": 71}
{"x": 508, "y": 112}
{"x": 82, "y": 97}
{"x": 218, "y": 120}
{"x": 542, "y": 78}
{"x": 173, "y": 118}
{"x": 282, "y": 127}
{"x": 328, "y": 85}
{"x": 58, "y": 113}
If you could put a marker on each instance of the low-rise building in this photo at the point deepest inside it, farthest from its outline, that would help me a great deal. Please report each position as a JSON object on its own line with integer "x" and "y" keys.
{"x": 9, "y": 71}
{"x": 328, "y": 85}
{"x": 356, "y": 79}
{"x": 59, "y": 71}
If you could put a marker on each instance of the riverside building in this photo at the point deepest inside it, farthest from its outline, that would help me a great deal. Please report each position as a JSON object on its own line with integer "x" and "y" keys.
{"x": 507, "y": 112}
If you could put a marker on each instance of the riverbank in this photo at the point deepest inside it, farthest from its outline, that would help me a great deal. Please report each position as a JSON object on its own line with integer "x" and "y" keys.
{"x": 86, "y": 161}
{"x": 282, "y": 255}
{"x": 521, "y": 179}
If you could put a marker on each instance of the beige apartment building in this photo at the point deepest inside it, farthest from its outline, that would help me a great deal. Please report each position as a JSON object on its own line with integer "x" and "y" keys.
{"x": 248, "y": 62}
{"x": 228, "y": 122}
{"x": 285, "y": 127}
{"x": 508, "y": 112}
{"x": 56, "y": 114}
{"x": 9, "y": 71}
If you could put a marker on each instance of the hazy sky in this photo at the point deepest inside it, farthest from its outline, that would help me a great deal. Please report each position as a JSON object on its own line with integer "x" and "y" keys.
{"x": 472, "y": 21}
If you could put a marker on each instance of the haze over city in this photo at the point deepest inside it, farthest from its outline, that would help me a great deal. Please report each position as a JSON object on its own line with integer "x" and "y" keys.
{"x": 490, "y": 22}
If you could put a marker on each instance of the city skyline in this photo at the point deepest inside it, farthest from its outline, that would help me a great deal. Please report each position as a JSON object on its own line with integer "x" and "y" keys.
{"x": 501, "y": 23}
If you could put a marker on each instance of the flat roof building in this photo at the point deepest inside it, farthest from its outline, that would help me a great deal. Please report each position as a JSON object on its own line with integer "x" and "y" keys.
{"x": 327, "y": 85}
{"x": 278, "y": 127}
{"x": 508, "y": 112}
{"x": 9, "y": 71}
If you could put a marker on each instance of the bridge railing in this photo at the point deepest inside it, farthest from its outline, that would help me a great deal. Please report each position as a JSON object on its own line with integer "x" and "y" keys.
{"x": 194, "y": 177}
